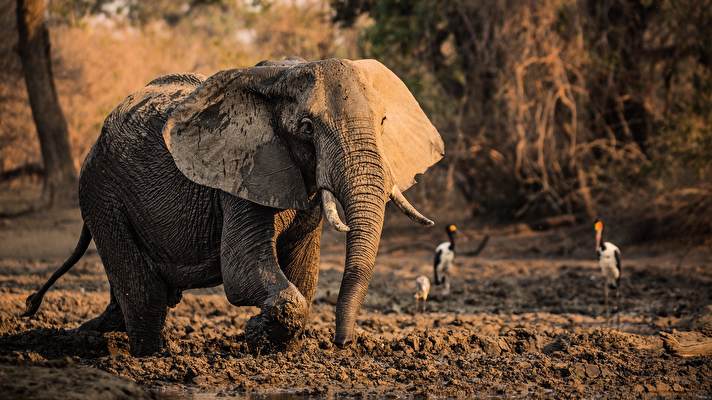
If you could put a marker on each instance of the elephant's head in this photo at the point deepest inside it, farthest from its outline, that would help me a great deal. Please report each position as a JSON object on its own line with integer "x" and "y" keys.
{"x": 280, "y": 133}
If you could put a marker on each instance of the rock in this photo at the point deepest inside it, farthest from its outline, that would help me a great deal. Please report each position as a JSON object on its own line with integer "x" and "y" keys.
{"x": 592, "y": 371}
{"x": 490, "y": 347}
{"x": 578, "y": 369}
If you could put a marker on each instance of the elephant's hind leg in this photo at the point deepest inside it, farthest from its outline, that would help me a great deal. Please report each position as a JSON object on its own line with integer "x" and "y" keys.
{"x": 111, "y": 320}
{"x": 298, "y": 253}
{"x": 141, "y": 294}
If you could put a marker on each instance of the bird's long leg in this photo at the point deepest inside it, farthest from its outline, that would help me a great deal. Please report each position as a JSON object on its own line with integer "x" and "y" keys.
{"x": 618, "y": 305}
{"x": 605, "y": 300}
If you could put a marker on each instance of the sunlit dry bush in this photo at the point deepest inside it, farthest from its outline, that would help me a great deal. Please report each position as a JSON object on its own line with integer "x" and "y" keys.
{"x": 100, "y": 56}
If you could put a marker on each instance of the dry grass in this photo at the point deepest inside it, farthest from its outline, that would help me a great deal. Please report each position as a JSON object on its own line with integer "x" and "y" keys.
{"x": 96, "y": 64}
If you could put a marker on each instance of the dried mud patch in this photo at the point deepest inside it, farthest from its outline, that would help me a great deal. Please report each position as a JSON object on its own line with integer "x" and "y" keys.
{"x": 529, "y": 327}
{"x": 435, "y": 353}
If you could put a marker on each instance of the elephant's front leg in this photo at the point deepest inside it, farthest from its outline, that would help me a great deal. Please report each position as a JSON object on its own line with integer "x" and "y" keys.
{"x": 252, "y": 275}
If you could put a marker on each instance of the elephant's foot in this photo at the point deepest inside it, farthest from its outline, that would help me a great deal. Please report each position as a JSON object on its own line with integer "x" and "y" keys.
{"x": 146, "y": 331}
{"x": 279, "y": 324}
{"x": 145, "y": 345}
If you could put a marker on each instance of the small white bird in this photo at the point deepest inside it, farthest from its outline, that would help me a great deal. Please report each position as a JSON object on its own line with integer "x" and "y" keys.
{"x": 444, "y": 257}
{"x": 609, "y": 260}
{"x": 422, "y": 289}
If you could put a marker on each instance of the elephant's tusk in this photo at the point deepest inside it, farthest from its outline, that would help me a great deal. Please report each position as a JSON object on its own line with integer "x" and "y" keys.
{"x": 328, "y": 203}
{"x": 402, "y": 203}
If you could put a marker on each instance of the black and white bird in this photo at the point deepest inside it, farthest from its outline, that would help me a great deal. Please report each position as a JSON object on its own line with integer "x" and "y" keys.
{"x": 422, "y": 290}
{"x": 609, "y": 260}
{"x": 444, "y": 257}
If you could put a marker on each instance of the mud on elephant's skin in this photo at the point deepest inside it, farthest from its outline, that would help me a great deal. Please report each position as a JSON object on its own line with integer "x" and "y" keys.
{"x": 195, "y": 182}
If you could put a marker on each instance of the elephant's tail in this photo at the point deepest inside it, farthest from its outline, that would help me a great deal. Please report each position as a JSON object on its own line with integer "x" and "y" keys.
{"x": 33, "y": 302}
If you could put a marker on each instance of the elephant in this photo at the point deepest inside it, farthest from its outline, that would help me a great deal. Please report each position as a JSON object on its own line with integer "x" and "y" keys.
{"x": 195, "y": 182}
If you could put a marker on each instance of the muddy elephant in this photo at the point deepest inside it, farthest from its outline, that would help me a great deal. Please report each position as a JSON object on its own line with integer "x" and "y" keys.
{"x": 195, "y": 182}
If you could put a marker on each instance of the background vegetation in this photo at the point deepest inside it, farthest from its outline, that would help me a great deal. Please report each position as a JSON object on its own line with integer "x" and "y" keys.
{"x": 554, "y": 107}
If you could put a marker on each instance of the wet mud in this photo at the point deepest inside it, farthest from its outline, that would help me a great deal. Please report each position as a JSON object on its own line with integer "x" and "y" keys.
{"x": 518, "y": 322}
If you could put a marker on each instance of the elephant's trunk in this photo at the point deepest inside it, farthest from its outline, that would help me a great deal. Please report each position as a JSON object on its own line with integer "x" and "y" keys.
{"x": 364, "y": 208}
{"x": 360, "y": 187}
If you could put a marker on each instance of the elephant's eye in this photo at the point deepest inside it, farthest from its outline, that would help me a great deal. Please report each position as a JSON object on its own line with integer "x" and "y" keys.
{"x": 306, "y": 127}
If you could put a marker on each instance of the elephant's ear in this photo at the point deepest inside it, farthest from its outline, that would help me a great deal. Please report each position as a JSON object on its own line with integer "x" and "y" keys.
{"x": 222, "y": 136}
{"x": 410, "y": 143}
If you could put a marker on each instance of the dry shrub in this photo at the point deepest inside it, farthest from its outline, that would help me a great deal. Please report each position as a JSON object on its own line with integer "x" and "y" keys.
{"x": 521, "y": 144}
{"x": 98, "y": 62}
{"x": 543, "y": 139}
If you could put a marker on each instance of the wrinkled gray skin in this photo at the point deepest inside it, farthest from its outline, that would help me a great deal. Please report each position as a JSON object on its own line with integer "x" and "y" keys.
{"x": 159, "y": 233}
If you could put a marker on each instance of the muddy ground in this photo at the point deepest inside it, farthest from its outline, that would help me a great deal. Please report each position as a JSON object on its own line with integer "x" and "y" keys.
{"x": 525, "y": 318}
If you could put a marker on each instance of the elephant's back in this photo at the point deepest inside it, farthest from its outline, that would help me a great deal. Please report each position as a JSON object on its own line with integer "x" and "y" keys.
{"x": 131, "y": 133}
{"x": 178, "y": 79}
{"x": 141, "y": 115}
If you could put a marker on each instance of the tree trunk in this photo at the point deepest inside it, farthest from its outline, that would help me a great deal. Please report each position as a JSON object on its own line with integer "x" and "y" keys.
{"x": 60, "y": 179}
